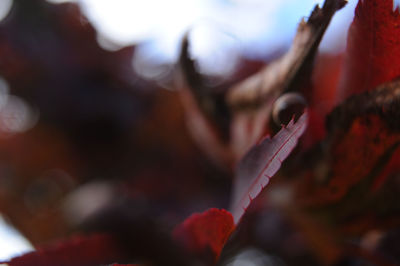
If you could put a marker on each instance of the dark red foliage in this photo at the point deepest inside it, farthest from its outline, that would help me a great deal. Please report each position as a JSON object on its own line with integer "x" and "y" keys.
{"x": 392, "y": 167}
{"x": 370, "y": 140}
{"x": 79, "y": 250}
{"x": 367, "y": 124}
{"x": 373, "y": 52}
{"x": 204, "y": 234}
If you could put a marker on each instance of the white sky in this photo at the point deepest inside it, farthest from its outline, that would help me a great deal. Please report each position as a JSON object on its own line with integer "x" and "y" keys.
{"x": 267, "y": 23}
{"x": 255, "y": 28}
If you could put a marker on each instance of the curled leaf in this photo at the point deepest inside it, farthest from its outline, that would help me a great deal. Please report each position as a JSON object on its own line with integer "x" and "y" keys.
{"x": 290, "y": 71}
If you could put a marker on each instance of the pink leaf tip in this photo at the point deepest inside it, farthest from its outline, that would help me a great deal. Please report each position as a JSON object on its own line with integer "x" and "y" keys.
{"x": 262, "y": 162}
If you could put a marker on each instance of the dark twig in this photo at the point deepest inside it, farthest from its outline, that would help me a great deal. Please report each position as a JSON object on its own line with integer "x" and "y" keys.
{"x": 289, "y": 72}
{"x": 209, "y": 101}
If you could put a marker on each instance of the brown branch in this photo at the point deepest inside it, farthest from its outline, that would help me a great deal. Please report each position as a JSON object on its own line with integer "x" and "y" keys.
{"x": 289, "y": 72}
{"x": 221, "y": 116}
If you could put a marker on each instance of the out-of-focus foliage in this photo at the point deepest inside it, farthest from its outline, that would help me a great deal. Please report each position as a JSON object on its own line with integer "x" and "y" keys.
{"x": 97, "y": 122}
{"x": 89, "y": 148}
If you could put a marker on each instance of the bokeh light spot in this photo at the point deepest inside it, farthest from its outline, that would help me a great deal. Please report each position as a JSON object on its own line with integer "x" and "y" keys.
{"x": 12, "y": 243}
{"x": 4, "y": 90}
{"x": 16, "y": 116}
{"x": 5, "y": 7}
{"x": 254, "y": 257}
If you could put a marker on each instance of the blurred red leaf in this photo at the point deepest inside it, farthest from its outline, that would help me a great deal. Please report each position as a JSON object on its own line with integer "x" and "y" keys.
{"x": 370, "y": 139}
{"x": 262, "y": 162}
{"x": 79, "y": 250}
{"x": 373, "y": 50}
{"x": 363, "y": 135}
{"x": 321, "y": 98}
{"x": 116, "y": 264}
{"x": 205, "y": 234}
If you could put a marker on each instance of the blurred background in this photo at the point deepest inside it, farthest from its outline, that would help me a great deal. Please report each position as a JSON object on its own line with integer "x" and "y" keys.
{"x": 88, "y": 114}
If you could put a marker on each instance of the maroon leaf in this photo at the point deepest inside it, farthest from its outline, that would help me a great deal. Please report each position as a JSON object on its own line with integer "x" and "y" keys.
{"x": 392, "y": 167}
{"x": 361, "y": 131}
{"x": 262, "y": 162}
{"x": 205, "y": 234}
{"x": 79, "y": 250}
{"x": 373, "y": 50}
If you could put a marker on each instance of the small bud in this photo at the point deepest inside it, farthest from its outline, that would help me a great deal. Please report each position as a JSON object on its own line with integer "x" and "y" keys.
{"x": 288, "y": 106}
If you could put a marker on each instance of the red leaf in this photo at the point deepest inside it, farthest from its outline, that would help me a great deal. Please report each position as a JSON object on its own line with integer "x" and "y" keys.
{"x": 369, "y": 139}
{"x": 373, "y": 50}
{"x": 116, "y": 264}
{"x": 262, "y": 162}
{"x": 363, "y": 133}
{"x": 205, "y": 234}
{"x": 85, "y": 251}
